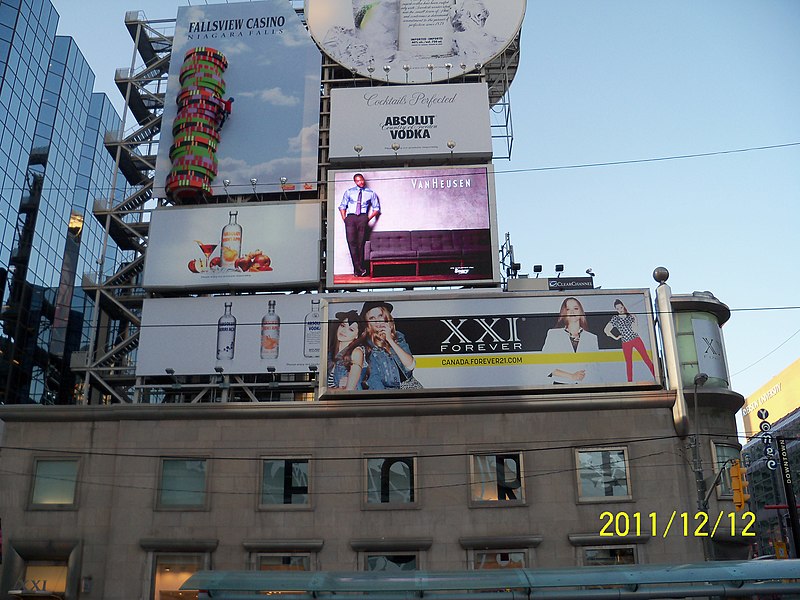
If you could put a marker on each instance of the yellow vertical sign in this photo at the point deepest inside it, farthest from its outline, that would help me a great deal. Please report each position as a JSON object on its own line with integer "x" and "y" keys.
{"x": 781, "y": 551}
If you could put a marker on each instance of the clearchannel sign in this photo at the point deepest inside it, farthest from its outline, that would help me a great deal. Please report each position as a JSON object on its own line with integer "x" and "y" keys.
{"x": 269, "y": 89}
{"x": 389, "y": 345}
{"x": 388, "y": 122}
{"x": 570, "y": 283}
{"x": 414, "y": 41}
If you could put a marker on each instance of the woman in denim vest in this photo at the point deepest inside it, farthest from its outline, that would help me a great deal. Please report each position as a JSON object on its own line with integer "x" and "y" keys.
{"x": 388, "y": 353}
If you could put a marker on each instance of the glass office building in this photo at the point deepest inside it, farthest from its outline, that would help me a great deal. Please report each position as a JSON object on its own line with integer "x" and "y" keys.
{"x": 53, "y": 164}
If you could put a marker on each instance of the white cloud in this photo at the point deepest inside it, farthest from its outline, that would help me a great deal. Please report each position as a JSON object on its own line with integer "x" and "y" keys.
{"x": 236, "y": 49}
{"x": 307, "y": 138}
{"x": 274, "y": 96}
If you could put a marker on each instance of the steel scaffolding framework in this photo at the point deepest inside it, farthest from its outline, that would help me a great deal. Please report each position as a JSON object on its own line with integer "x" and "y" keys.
{"x": 110, "y": 358}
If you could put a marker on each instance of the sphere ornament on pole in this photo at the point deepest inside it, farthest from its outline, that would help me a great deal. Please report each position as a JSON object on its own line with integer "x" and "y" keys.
{"x": 661, "y": 274}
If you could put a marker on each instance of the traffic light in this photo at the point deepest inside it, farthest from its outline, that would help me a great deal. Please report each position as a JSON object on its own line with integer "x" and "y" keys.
{"x": 739, "y": 485}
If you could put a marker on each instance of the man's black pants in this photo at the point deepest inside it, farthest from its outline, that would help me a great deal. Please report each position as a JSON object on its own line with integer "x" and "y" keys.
{"x": 355, "y": 227}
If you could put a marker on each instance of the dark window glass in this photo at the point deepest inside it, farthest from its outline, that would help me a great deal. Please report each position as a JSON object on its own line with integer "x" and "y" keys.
{"x": 6, "y": 33}
{"x": 390, "y": 480}
{"x": 284, "y": 481}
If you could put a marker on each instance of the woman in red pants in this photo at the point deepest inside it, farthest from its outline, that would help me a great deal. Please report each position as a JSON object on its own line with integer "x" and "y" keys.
{"x": 627, "y": 327}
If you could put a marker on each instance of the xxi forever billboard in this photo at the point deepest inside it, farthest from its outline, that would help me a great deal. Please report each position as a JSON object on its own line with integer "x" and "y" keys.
{"x": 254, "y": 63}
{"x": 511, "y": 341}
{"x": 411, "y": 227}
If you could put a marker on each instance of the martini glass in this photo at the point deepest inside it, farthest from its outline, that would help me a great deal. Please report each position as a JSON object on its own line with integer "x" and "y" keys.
{"x": 207, "y": 250}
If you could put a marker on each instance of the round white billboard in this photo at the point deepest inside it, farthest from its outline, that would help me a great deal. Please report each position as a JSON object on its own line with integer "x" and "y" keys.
{"x": 413, "y": 41}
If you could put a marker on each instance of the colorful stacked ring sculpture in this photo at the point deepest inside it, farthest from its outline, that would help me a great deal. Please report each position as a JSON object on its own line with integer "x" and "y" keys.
{"x": 195, "y": 130}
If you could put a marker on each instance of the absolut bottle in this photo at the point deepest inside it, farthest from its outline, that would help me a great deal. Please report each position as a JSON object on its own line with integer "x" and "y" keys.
{"x": 312, "y": 331}
{"x": 230, "y": 247}
{"x": 226, "y": 334}
{"x": 270, "y": 332}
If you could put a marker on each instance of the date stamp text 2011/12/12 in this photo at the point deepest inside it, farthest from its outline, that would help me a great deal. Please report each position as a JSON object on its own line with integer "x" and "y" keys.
{"x": 699, "y": 524}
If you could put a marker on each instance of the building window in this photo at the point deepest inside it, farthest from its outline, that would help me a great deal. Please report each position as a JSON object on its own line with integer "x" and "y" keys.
{"x": 723, "y": 455}
{"x": 602, "y": 474}
{"x": 609, "y": 555}
{"x": 391, "y": 562}
{"x": 283, "y": 562}
{"x": 390, "y": 480}
{"x": 182, "y": 483}
{"x": 499, "y": 559}
{"x": 284, "y": 481}
{"x": 496, "y": 478}
{"x": 172, "y": 571}
{"x": 55, "y": 483}
{"x": 42, "y": 577}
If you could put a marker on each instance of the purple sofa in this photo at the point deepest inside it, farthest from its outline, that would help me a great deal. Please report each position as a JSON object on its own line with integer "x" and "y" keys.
{"x": 458, "y": 247}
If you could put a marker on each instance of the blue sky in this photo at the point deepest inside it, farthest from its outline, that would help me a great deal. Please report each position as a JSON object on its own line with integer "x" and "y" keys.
{"x": 620, "y": 80}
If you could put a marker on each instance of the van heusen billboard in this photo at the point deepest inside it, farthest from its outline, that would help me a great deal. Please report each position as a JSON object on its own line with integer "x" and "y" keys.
{"x": 433, "y": 225}
{"x": 414, "y": 41}
{"x": 502, "y": 341}
{"x": 234, "y": 246}
{"x": 273, "y": 75}
{"x": 242, "y": 334}
{"x": 418, "y": 121}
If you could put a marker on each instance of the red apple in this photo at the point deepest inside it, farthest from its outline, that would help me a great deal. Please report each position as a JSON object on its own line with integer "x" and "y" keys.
{"x": 243, "y": 264}
{"x": 193, "y": 266}
{"x": 216, "y": 262}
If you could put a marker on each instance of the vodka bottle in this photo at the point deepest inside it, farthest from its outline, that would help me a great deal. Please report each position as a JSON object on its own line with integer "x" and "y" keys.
{"x": 270, "y": 332}
{"x": 226, "y": 334}
{"x": 312, "y": 331}
{"x": 231, "y": 242}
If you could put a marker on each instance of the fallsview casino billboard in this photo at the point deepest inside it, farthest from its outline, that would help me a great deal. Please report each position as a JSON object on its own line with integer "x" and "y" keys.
{"x": 434, "y": 225}
{"x": 242, "y": 334}
{"x": 414, "y": 41}
{"x": 234, "y": 246}
{"x": 473, "y": 341}
{"x": 273, "y": 76}
{"x": 411, "y": 121}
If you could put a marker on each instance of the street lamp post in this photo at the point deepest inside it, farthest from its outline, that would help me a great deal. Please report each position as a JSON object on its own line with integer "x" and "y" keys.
{"x": 697, "y": 464}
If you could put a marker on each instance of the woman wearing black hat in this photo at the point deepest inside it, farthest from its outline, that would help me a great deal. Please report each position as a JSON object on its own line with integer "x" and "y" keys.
{"x": 347, "y": 368}
{"x": 388, "y": 354}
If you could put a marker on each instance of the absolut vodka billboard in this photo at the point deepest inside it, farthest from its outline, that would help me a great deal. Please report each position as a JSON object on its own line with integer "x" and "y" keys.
{"x": 378, "y": 123}
{"x": 242, "y": 334}
{"x": 389, "y": 345}
{"x": 234, "y": 246}
{"x": 255, "y": 63}
{"x": 414, "y": 41}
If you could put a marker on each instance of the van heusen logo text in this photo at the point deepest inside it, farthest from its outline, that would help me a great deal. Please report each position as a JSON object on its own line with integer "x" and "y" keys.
{"x": 203, "y": 30}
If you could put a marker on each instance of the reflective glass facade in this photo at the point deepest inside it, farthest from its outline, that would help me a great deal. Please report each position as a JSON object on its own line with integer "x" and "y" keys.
{"x": 53, "y": 164}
